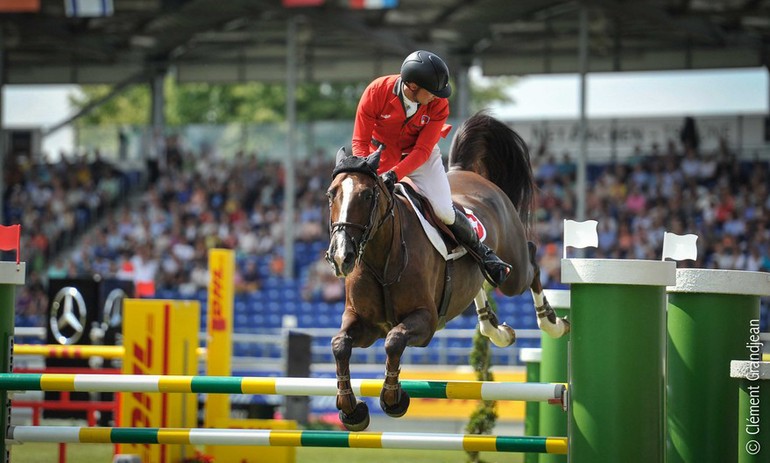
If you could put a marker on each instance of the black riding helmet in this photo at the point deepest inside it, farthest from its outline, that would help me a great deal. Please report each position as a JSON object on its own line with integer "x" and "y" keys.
{"x": 428, "y": 71}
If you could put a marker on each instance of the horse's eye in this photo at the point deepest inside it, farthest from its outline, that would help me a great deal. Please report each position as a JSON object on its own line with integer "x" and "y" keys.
{"x": 368, "y": 195}
{"x": 330, "y": 195}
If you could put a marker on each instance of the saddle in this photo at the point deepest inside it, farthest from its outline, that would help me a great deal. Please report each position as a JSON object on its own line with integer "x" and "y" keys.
{"x": 437, "y": 231}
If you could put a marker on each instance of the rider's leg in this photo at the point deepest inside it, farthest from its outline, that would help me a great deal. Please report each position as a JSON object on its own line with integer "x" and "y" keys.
{"x": 493, "y": 267}
{"x": 432, "y": 181}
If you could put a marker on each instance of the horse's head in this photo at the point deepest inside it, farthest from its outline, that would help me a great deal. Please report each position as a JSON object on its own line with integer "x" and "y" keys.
{"x": 354, "y": 196}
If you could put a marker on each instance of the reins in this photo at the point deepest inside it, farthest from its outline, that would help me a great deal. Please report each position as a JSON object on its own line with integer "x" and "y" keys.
{"x": 368, "y": 231}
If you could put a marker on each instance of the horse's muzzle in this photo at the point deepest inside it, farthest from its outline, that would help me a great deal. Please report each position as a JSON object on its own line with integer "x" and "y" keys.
{"x": 341, "y": 255}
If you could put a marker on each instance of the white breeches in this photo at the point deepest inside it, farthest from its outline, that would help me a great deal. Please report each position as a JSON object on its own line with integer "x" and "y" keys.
{"x": 431, "y": 180}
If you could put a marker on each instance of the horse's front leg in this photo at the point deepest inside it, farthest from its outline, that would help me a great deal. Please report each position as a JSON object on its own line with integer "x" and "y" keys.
{"x": 547, "y": 319}
{"x": 354, "y": 413}
{"x": 416, "y": 329}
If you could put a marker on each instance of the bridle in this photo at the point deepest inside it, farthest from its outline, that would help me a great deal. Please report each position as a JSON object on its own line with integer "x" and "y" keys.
{"x": 368, "y": 231}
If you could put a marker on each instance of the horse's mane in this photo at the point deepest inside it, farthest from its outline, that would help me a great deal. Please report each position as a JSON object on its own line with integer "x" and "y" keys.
{"x": 484, "y": 145}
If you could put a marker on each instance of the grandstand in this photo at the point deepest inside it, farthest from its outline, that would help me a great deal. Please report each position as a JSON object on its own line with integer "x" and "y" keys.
{"x": 236, "y": 203}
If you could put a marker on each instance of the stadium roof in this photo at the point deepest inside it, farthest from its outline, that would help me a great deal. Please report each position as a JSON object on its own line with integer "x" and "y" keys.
{"x": 246, "y": 40}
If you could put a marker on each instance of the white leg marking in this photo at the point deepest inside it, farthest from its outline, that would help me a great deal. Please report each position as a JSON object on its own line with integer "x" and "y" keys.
{"x": 554, "y": 330}
{"x": 501, "y": 335}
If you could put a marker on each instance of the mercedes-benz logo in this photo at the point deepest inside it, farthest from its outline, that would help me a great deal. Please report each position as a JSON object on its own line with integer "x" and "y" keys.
{"x": 68, "y": 316}
{"x": 113, "y": 309}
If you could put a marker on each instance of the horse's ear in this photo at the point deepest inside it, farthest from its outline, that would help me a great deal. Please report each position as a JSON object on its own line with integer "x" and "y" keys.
{"x": 373, "y": 160}
{"x": 341, "y": 154}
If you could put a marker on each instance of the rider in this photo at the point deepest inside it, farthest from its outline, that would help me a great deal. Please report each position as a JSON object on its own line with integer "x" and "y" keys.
{"x": 405, "y": 115}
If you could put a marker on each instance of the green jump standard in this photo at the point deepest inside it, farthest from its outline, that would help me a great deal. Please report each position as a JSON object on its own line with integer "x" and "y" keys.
{"x": 710, "y": 317}
{"x": 617, "y": 355}
{"x": 553, "y": 419}
{"x": 753, "y": 410}
{"x": 531, "y": 357}
{"x": 11, "y": 274}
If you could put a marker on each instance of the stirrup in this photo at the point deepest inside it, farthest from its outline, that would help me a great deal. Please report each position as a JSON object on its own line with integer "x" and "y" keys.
{"x": 488, "y": 276}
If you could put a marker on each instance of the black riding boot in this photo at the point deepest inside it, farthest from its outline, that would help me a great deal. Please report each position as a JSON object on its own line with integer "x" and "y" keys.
{"x": 493, "y": 268}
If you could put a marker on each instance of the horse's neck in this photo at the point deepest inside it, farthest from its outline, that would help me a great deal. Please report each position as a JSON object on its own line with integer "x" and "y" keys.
{"x": 385, "y": 245}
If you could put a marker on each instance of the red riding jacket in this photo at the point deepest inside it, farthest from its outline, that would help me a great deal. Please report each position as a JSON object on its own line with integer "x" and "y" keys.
{"x": 381, "y": 119}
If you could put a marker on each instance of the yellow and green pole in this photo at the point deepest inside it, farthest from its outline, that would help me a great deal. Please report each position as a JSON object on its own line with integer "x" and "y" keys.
{"x": 712, "y": 315}
{"x": 11, "y": 274}
{"x": 617, "y": 359}
{"x": 554, "y": 369}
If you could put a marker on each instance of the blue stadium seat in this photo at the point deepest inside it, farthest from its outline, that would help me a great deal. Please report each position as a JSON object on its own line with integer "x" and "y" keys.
{"x": 256, "y": 320}
{"x": 241, "y": 319}
{"x": 241, "y": 349}
{"x": 240, "y": 306}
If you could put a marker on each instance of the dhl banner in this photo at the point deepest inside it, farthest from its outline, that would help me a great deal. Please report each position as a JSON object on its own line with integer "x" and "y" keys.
{"x": 220, "y": 329}
{"x": 452, "y": 409}
{"x": 160, "y": 338}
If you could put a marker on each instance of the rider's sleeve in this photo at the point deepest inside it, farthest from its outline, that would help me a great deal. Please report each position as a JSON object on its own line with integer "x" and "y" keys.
{"x": 365, "y": 120}
{"x": 426, "y": 140}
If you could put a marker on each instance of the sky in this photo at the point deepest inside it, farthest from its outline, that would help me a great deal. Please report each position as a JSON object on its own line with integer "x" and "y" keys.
{"x": 645, "y": 94}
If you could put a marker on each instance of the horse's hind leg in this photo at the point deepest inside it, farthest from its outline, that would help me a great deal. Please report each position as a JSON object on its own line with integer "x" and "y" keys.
{"x": 354, "y": 413}
{"x": 416, "y": 329}
{"x": 547, "y": 320}
{"x": 501, "y": 335}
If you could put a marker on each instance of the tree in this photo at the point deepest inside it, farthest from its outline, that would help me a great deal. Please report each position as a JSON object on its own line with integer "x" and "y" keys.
{"x": 252, "y": 102}
{"x": 488, "y": 90}
{"x": 205, "y": 103}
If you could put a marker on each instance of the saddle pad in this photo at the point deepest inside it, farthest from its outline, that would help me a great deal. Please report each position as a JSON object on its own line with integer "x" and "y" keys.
{"x": 433, "y": 234}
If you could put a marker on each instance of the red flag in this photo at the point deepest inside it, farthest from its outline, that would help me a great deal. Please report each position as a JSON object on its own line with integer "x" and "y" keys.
{"x": 9, "y": 239}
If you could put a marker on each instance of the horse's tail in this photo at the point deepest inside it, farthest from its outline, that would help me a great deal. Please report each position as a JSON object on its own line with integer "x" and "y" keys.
{"x": 485, "y": 145}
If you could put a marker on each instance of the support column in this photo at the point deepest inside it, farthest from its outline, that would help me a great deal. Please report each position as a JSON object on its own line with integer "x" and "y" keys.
{"x": 711, "y": 316}
{"x": 10, "y": 275}
{"x": 554, "y": 369}
{"x": 531, "y": 358}
{"x": 753, "y": 410}
{"x": 617, "y": 355}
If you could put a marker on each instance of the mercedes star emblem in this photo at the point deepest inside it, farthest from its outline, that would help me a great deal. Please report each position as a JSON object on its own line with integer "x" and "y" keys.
{"x": 68, "y": 316}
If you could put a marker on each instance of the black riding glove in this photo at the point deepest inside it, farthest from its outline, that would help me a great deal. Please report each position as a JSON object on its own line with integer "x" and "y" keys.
{"x": 389, "y": 179}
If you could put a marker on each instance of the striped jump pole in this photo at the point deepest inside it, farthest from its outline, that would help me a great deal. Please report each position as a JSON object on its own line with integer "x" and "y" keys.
{"x": 77, "y": 351}
{"x": 11, "y": 274}
{"x": 711, "y": 317}
{"x": 553, "y": 368}
{"x": 617, "y": 355}
{"x": 265, "y": 438}
{"x": 468, "y": 390}
{"x": 753, "y": 410}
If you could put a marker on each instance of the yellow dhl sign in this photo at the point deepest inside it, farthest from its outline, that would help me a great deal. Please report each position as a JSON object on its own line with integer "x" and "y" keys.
{"x": 160, "y": 339}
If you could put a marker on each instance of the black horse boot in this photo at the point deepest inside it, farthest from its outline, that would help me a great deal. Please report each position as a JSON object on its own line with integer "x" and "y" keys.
{"x": 493, "y": 268}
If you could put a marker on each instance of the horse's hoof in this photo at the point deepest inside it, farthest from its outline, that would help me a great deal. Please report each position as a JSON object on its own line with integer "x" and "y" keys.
{"x": 398, "y": 410}
{"x": 358, "y": 420}
{"x": 502, "y": 336}
{"x": 567, "y": 326}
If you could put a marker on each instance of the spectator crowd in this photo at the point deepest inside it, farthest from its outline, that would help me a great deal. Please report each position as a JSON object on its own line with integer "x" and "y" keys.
{"x": 80, "y": 218}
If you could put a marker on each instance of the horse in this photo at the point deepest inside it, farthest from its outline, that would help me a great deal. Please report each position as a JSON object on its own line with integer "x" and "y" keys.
{"x": 395, "y": 279}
